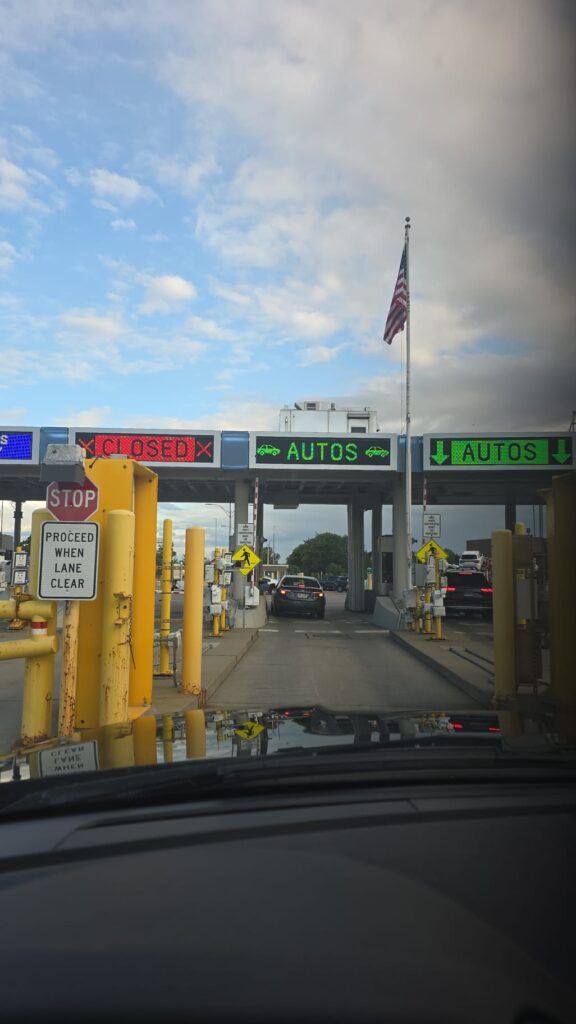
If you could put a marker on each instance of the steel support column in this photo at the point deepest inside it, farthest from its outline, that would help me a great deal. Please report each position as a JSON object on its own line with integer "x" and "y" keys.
{"x": 355, "y": 596}
{"x": 241, "y": 498}
{"x": 399, "y": 563}
{"x": 377, "y": 548}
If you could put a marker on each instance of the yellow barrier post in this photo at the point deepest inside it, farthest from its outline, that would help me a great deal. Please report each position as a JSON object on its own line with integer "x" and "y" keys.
{"x": 520, "y": 531}
{"x": 17, "y": 591}
{"x": 417, "y": 611}
{"x": 168, "y": 738}
{"x": 216, "y": 616}
{"x": 195, "y": 724}
{"x": 166, "y": 585}
{"x": 37, "y": 701}
{"x": 144, "y": 736}
{"x": 192, "y": 612}
{"x": 116, "y": 618}
{"x": 504, "y": 615}
{"x": 145, "y": 510}
{"x": 67, "y": 707}
{"x": 438, "y": 635}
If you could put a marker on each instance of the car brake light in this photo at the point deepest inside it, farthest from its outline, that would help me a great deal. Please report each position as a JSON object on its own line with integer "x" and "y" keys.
{"x": 485, "y": 590}
{"x": 493, "y": 728}
{"x": 450, "y": 589}
{"x": 457, "y": 725}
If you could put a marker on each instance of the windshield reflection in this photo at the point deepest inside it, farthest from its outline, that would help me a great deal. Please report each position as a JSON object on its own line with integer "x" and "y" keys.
{"x": 246, "y": 733}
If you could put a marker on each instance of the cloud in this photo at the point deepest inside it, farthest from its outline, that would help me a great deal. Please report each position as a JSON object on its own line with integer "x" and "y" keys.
{"x": 13, "y": 417}
{"x": 86, "y": 323}
{"x": 123, "y": 224}
{"x": 97, "y": 417}
{"x": 165, "y": 293}
{"x": 184, "y": 176}
{"x": 209, "y": 329}
{"x": 109, "y": 185}
{"x": 16, "y": 187}
{"x": 8, "y": 255}
{"x": 319, "y": 354}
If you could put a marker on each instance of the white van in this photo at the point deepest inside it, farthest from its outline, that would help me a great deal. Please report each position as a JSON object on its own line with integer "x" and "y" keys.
{"x": 474, "y": 559}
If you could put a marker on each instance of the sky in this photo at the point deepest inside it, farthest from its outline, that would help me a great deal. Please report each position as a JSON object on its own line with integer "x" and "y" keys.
{"x": 202, "y": 211}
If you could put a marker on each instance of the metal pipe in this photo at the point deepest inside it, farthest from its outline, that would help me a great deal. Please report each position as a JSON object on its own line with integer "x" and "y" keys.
{"x": 145, "y": 508}
{"x": 144, "y": 738}
{"x": 168, "y": 738}
{"x": 166, "y": 598}
{"x": 117, "y": 618}
{"x": 33, "y": 649}
{"x": 68, "y": 676}
{"x": 192, "y": 611}
{"x": 38, "y": 695}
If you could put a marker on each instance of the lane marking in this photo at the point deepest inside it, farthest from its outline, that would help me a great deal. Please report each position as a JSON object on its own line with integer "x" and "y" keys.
{"x": 262, "y": 630}
{"x": 373, "y": 632}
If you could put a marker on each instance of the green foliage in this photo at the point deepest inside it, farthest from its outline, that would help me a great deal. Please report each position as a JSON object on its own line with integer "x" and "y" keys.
{"x": 324, "y": 554}
{"x": 452, "y": 556}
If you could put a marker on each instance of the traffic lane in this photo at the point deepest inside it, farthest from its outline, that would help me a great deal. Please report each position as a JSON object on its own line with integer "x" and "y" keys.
{"x": 340, "y": 663}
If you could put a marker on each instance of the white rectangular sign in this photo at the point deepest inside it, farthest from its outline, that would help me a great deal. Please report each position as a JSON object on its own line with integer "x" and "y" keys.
{"x": 245, "y": 533}
{"x": 68, "y": 561}
{"x": 432, "y": 522}
{"x": 65, "y": 760}
{"x": 226, "y": 578}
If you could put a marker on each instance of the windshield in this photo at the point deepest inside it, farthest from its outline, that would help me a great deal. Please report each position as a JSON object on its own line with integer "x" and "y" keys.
{"x": 287, "y": 319}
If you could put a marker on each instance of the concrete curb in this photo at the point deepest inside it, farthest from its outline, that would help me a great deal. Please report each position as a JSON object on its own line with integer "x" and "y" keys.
{"x": 214, "y": 684}
{"x": 464, "y": 685}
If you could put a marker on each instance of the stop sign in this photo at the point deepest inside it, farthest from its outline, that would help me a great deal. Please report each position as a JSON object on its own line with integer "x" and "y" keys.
{"x": 72, "y": 503}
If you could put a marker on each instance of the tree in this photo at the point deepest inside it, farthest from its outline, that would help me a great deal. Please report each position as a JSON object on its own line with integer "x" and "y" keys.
{"x": 326, "y": 554}
{"x": 452, "y": 556}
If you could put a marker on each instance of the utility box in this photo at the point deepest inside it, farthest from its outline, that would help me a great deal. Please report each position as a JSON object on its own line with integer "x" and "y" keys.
{"x": 324, "y": 418}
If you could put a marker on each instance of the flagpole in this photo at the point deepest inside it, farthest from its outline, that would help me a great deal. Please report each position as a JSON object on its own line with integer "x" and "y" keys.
{"x": 408, "y": 461}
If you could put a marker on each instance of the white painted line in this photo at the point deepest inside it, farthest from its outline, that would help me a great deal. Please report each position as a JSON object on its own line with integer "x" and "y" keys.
{"x": 262, "y": 630}
{"x": 373, "y": 632}
{"x": 317, "y": 630}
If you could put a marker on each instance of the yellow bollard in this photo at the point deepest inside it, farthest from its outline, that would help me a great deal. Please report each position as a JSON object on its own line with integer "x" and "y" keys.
{"x": 223, "y": 623}
{"x": 216, "y": 617}
{"x": 164, "y": 669}
{"x": 504, "y": 616}
{"x": 67, "y": 706}
{"x": 116, "y": 746}
{"x": 38, "y": 696}
{"x": 192, "y": 612}
{"x": 168, "y": 738}
{"x": 145, "y": 510}
{"x": 417, "y": 611}
{"x": 520, "y": 531}
{"x": 195, "y": 734}
{"x": 117, "y": 618}
{"x": 144, "y": 735}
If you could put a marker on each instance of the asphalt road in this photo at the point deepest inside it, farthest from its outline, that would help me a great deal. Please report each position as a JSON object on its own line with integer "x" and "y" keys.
{"x": 342, "y": 662}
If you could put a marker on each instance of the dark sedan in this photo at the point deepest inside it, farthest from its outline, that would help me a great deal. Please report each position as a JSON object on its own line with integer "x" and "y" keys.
{"x": 468, "y": 591}
{"x": 299, "y": 595}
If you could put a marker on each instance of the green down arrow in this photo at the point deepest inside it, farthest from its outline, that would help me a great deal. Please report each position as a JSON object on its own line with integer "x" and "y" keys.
{"x": 561, "y": 455}
{"x": 439, "y": 455}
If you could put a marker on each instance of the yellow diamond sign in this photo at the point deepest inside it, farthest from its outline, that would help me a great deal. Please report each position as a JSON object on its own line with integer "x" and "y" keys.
{"x": 247, "y": 558}
{"x": 249, "y": 730}
{"x": 430, "y": 548}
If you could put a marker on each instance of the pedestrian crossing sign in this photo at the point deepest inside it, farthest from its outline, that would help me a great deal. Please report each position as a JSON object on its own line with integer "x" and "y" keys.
{"x": 430, "y": 548}
{"x": 247, "y": 558}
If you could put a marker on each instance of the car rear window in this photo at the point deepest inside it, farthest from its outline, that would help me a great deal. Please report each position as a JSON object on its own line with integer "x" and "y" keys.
{"x": 300, "y": 581}
{"x": 468, "y": 580}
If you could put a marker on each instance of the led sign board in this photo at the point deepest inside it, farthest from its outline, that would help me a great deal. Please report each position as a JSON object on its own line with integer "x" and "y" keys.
{"x": 498, "y": 451}
{"x": 176, "y": 448}
{"x": 323, "y": 451}
{"x": 18, "y": 446}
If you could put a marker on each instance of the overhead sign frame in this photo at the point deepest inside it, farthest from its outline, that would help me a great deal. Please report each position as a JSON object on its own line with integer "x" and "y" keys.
{"x": 19, "y": 439}
{"x": 526, "y": 451}
{"x": 311, "y": 451}
{"x": 156, "y": 444}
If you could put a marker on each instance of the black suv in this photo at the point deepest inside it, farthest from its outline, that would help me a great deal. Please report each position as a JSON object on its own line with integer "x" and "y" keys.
{"x": 468, "y": 591}
{"x": 339, "y": 583}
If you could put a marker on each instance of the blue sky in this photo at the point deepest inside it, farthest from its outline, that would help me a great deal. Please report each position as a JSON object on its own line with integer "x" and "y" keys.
{"x": 202, "y": 209}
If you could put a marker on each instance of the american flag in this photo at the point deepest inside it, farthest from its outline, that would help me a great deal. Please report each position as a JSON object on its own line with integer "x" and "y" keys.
{"x": 399, "y": 305}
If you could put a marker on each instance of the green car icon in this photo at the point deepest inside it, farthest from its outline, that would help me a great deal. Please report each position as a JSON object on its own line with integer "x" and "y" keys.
{"x": 380, "y": 452}
{"x": 267, "y": 449}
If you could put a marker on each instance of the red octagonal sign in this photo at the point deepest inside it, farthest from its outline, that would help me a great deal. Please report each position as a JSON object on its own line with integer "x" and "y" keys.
{"x": 72, "y": 503}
